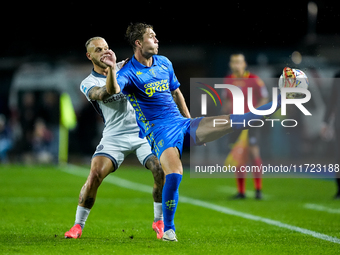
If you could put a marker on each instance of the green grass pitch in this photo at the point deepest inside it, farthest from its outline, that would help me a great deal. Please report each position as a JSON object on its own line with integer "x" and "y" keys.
{"x": 38, "y": 203}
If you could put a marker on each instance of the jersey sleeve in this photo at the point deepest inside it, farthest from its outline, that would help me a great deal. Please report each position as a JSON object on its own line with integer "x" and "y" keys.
{"x": 85, "y": 87}
{"x": 123, "y": 81}
{"x": 173, "y": 81}
{"x": 119, "y": 65}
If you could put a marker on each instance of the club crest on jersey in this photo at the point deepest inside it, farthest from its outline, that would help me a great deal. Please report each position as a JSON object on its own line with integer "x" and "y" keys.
{"x": 100, "y": 147}
{"x": 161, "y": 143}
{"x": 152, "y": 72}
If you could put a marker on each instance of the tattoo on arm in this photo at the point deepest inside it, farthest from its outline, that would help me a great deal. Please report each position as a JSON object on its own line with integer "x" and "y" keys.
{"x": 99, "y": 93}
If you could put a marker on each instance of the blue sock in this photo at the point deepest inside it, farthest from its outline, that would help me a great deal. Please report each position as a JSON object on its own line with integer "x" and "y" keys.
{"x": 240, "y": 122}
{"x": 170, "y": 199}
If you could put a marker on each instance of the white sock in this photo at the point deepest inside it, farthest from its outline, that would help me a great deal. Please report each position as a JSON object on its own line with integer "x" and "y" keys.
{"x": 81, "y": 216}
{"x": 157, "y": 211}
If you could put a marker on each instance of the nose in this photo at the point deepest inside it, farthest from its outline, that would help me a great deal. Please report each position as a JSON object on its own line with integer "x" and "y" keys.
{"x": 156, "y": 41}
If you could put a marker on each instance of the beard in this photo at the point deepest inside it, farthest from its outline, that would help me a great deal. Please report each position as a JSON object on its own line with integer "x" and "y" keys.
{"x": 99, "y": 63}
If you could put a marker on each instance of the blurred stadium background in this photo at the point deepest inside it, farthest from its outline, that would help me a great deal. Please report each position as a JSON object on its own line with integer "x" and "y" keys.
{"x": 42, "y": 62}
{"x": 43, "y": 56}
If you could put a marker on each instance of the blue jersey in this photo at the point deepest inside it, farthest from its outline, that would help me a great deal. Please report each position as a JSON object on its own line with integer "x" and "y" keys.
{"x": 149, "y": 91}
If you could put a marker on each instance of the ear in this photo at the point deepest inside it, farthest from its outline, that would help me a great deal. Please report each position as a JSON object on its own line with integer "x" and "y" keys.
{"x": 138, "y": 43}
{"x": 88, "y": 55}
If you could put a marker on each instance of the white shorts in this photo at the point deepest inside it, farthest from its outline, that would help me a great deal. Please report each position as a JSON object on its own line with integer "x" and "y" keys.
{"x": 117, "y": 148}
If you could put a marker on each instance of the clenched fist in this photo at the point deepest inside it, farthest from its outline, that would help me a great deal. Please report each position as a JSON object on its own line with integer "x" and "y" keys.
{"x": 109, "y": 58}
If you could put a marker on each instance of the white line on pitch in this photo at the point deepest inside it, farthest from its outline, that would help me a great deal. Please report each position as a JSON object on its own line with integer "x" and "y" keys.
{"x": 75, "y": 170}
{"x": 322, "y": 208}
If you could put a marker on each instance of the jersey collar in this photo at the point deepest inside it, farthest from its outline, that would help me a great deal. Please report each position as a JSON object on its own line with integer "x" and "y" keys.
{"x": 95, "y": 74}
{"x": 140, "y": 66}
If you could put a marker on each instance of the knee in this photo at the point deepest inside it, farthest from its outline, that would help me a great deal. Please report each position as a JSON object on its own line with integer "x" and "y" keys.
{"x": 153, "y": 165}
{"x": 95, "y": 178}
{"x": 173, "y": 170}
{"x": 180, "y": 171}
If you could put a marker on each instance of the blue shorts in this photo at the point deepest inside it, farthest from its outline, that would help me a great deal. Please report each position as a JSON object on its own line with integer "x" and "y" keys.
{"x": 177, "y": 133}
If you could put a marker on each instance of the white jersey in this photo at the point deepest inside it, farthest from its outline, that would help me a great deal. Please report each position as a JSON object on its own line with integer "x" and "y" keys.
{"x": 117, "y": 113}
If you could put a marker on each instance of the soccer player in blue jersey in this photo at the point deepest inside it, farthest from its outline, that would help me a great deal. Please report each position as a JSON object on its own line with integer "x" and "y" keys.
{"x": 120, "y": 138}
{"x": 152, "y": 88}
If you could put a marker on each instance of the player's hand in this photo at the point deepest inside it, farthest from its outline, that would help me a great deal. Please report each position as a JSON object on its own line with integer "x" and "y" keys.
{"x": 109, "y": 58}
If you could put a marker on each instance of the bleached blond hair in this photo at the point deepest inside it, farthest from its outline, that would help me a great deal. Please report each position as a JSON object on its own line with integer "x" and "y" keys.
{"x": 92, "y": 39}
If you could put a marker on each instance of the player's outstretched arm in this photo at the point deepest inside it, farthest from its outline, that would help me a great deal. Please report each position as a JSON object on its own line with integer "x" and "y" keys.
{"x": 109, "y": 58}
{"x": 180, "y": 101}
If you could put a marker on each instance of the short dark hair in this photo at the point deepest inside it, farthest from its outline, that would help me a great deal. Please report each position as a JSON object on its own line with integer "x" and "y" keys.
{"x": 135, "y": 31}
{"x": 237, "y": 54}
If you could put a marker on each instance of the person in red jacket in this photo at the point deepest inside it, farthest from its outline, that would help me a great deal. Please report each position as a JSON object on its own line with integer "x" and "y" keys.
{"x": 244, "y": 80}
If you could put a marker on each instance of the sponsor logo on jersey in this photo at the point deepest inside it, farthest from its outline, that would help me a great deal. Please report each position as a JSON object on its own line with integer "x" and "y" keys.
{"x": 151, "y": 88}
{"x": 115, "y": 97}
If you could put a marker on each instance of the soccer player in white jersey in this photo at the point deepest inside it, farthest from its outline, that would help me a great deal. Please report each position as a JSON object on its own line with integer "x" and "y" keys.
{"x": 120, "y": 138}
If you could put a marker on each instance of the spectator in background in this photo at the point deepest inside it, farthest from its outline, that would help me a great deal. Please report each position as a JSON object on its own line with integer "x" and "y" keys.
{"x": 41, "y": 142}
{"x": 333, "y": 112}
{"x": 27, "y": 118}
{"x": 5, "y": 139}
{"x": 243, "y": 79}
{"x": 50, "y": 113}
{"x": 39, "y": 127}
